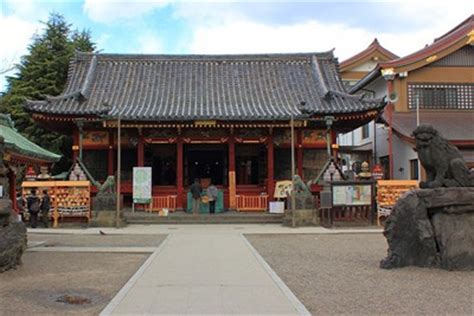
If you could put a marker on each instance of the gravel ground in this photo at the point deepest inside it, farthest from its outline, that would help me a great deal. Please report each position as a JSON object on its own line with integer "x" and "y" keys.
{"x": 37, "y": 286}
{"x": 340, "y": 274}
{"x": 44, "y": 277}
{"x": 78, "y": 240}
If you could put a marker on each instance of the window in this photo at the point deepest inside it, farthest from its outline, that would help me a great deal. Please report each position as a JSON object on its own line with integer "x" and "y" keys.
{"x": 414, "y": 169}
{"x": 365, "y": 131}
{"x": 441, "y": 96}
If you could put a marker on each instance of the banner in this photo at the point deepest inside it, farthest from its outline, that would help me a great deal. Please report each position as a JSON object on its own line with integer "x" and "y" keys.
{"x": 141, "y": 185}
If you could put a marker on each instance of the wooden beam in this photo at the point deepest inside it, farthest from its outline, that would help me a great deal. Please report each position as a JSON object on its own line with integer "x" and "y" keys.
{"x": 299, "y": 152}
{"x": 75, "y": 143}
{"x": 270, "y": 171}
{"x": 232, "y": 180}
{"x": 179, "y": 173}
{"x": 110, "y": 155}
{"x": 141, "y": 151}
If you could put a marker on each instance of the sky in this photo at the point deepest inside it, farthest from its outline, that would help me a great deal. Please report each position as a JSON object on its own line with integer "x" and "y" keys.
{"x": 231, "y": 27}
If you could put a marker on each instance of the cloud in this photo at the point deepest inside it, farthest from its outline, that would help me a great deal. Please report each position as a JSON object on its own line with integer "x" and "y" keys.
{"x": 15, "y": 34}
{"x": 149, "y": 44}
{"x": 238, "y": 31}
{"x": 108, "y": 11}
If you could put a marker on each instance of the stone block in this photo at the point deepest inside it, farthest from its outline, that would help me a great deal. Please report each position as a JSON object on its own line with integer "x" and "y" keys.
{"x": 432, "y": 228}
{"x": 13, "y": 242}
{"x": 303, "y": 217}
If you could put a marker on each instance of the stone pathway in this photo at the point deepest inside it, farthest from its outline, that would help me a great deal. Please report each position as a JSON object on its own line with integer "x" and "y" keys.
{"x": 205, "y": 271}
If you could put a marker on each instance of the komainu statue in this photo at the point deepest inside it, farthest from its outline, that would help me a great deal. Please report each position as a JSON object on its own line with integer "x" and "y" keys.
{"x": 434, "y": 226}
{"x": 442, "y": 161}
{"x": 108, "y": 187}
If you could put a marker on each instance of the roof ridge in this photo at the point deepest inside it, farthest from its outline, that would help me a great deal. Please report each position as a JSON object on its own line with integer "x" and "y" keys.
{"x": 322, "y": 88}
{"x": 374, "y": 46}
{"x": 469, "y": 20}
{"x": 205, "y": 57}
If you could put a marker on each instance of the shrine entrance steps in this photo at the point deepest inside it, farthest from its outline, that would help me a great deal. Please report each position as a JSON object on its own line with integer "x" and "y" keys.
{"x": 230, "y": 217}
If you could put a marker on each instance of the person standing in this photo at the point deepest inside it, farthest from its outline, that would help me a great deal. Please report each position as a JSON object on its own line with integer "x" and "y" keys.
{"x": 45, "y": 207}
{"x": 196, "y": 190}
{"x": 33, "y": 204}
{"x": 212, "y": 195}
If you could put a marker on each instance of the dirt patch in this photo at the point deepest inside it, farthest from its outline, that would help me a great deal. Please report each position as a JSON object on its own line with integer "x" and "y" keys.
{"x": 42, "y": 284}
{"x": 340, "y": 274}
{"x": 81, "y": 240}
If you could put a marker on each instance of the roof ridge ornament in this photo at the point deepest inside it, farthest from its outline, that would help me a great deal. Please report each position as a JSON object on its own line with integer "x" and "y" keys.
{"x": 87, "y": 87}
{"x": 323, "y": 90}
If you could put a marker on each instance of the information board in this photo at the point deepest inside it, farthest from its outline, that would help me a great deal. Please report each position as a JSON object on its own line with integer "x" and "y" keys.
{"x": 141, "y": 185}
{"x": 351, "y": 194}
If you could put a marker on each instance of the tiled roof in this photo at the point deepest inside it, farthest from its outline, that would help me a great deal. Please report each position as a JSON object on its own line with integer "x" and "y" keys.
{"x": 20, "y": 145}
{"x": 371, "y": 50}
{"x": 190, "y": 87}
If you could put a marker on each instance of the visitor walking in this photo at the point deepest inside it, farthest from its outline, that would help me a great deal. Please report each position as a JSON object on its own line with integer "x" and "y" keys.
{"x": 45, "y": 206}
{"x": 212, "y": 196}
{"x": 33, "y": 204}
{"x": 196, "y": 190}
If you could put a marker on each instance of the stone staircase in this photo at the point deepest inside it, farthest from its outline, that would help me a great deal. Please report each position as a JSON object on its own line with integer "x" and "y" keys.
{"x": 229, "y": 217}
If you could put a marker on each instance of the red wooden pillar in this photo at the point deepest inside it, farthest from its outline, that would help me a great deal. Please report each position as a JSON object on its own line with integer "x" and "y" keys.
{"x": 141, "y": 150}
{"x": 110, "y": 156}
{"x": 299, "y": 152}
{"x": 232, "y": 180}
{"x": 75, "y": 144}
{"x": 12, "y": 186}
{"x": 270, "y": 174}
{"x": 334, "y": 145}
{"x": 179, "y": 172}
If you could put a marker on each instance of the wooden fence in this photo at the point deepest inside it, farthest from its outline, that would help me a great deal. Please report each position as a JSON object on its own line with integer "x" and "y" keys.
{"x": 252, "y": 203}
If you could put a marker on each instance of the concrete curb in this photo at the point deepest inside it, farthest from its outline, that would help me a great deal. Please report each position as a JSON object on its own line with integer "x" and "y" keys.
{"x": 118, "y": 298}
{"x": 94, "y": 249}
{"x": 299, "y": 307}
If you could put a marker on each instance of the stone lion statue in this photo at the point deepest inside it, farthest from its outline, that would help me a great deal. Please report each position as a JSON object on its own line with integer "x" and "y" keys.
{"x": 108, "y": 186}
{"x": 442, "y": 161}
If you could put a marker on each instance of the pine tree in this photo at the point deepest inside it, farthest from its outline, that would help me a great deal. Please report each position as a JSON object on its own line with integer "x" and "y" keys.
{"x": 42, "y": 72}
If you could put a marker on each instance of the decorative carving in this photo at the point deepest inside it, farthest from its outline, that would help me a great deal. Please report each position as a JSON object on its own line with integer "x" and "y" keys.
{"x": 444, "y": 165}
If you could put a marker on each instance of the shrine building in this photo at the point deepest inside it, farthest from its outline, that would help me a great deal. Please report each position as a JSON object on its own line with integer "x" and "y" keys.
{"x": 219, "y": 118}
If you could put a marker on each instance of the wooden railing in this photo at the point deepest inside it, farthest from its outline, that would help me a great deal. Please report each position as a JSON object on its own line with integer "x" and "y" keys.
{"x": 161, "y": 202}
{"x": 252, "y": 203}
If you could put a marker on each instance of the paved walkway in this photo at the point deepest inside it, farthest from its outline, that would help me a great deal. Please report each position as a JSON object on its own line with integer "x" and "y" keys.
{"x": 205, "y": 269}
{"x": 204, "y": 273}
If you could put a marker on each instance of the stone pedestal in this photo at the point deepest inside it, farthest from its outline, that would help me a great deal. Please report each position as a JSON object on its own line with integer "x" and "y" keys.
{"x": 12, "y": 237}
{"x": 305, "y": 217}
{"x": 104, "y": 210}
{"x": 104, "y": 202}
{"x": 432, "y": 228}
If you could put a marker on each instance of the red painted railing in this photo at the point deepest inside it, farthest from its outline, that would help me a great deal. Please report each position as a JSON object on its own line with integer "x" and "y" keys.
{"x": 252, "y": 203}
{"x": 161, "y": 202}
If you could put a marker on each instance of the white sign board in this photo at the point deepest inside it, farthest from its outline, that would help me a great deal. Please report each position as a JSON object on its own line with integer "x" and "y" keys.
{"x": 141, "y": 184}
{"x": 277, "y": 207}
